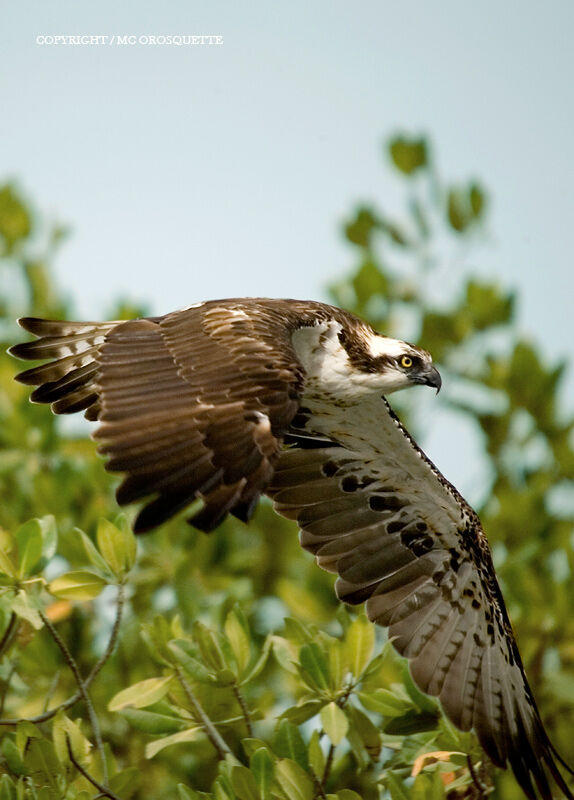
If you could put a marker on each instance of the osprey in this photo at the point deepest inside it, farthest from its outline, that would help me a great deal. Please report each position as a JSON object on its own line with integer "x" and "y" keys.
{"x": 229, "y": 399}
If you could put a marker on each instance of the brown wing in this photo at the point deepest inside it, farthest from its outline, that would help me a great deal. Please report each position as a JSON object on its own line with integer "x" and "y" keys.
{"x": 192, "y": 405}
{"x": 68, "y": 380}
{"x": 373, "y": 509}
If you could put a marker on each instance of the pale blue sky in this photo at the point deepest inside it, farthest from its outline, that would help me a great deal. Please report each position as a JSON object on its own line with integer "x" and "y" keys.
{"x": 196, "y": 172}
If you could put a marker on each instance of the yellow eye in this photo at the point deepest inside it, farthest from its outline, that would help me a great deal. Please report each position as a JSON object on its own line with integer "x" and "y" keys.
{"x": 406, "y": 361}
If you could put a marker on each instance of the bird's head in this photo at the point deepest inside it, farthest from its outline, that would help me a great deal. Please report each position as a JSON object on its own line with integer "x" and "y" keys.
{"x": 387, "y": 365}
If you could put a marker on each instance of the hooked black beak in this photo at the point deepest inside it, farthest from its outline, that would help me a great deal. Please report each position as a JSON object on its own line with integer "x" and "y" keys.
{"x": 429, "y": 377}
{"x": 433, "y": 378}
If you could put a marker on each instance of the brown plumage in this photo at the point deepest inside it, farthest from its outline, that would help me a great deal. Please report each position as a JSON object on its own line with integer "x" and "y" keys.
{"x": 229, "y": 399}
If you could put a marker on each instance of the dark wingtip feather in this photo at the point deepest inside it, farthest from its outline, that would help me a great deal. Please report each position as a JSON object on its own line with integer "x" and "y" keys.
{"x": 24, "y": 351}
{"x": 32, "y": 324}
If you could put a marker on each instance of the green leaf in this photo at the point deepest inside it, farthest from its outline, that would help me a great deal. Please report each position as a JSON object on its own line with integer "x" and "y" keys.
{"x": 304, "y": 710}
{"x": 317, "y": 758}
{"x": 288, "y": 743}
{"x": 221, "y": 789}
{"x": 210, "y": 646}
{"x": 263, "y": 769}
{"x": 7, "y": 566}
{"x": 390, "y": 704}
{"x": 250, "y": 745}
{"x": 180, "y": 649}
{"x": 152, "y": 722}
{"x": 13, "y": 756}
{"x": 368, "y": 733}
{"x": 458, "y": 210}
{"x": 129, "y": 547}
{"x": 188, "y": 735}
{"x": 36, "y": 543}
{"x": 395, "y": 786}
{"x": 423, "y": 701}
{"x": 408, "y": 154}
{"x": 78, "y": 585}
{"x": 126, "y": 783}
{"x": 369, "y": 282}
{"x": 428, "y": 787}
{"x": 293, "y": 780}
{"x": 338, "y": 664}
{"x": 314, "y": 667}
{"x": 334, "y": 722}
{"x": 26, "y": 730}
{"x": 7, "y": 788}
{"x": 360, "y": 229}
{"x": 15, "y": 220}
{"x": 244, "y": 784}
{"x": 299, "y": 632}
{"x": 92, "y": 552}
{"x": 412, "y": 722}
{"x": 26, "y": 607}
{"x": 142, "y": 694}
{"x": 487, "y": 305}
{"x": 259, "y": 664}
{"x": 386, "y": 669}
{"x": 359, "y": 644}
{"x": 156, "y": 635}
{"x": 237, "y": 632}
{"x": 42, "y": 763}
{"x": 477, "y": 199}
{"x": 117, "y": 546}
{"x": 185, "y": 793}
{"x": 285, "y": 653}
{"x": 64, "y": 730}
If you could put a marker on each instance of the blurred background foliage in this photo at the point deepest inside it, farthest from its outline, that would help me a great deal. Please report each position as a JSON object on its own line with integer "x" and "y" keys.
{"x": 222, "y": 666}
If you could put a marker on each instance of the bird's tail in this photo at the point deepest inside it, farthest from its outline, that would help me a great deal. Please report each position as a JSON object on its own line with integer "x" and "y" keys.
{"x": 68, "y": 379}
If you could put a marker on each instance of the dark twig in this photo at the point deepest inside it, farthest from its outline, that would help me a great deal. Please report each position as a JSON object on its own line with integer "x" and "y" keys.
{"x": 244, "y": 710}
{"x": 328, "y": 765}
{"x": 319, "y": 790}
{"x": 71, "y": 662}
{"x": 104, "y": 792}
{"x": 8, "y": 633}
{"x": 212, "y": 734}
{"x": 482, "y": 788}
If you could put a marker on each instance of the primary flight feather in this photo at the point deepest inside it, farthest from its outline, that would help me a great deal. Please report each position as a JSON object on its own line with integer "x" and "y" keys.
{"x": 229, "y": 399}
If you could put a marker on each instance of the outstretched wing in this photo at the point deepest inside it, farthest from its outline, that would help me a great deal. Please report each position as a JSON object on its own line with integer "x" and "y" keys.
{"x": 191, "y": 405}
{"x": 373, "y": 509}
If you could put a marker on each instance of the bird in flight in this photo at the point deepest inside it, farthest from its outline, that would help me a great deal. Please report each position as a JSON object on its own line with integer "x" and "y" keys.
{"x": 230, "y": 399}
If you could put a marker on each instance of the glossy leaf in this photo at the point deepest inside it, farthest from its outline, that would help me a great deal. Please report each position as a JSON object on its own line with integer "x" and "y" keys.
{"x": 314, "y": 667}
{"x": 263, "y": 770}
{"x": 288, "y": 743}
{"x": 294, "y": 781}
{"x": 79, "y": 585}
{"x": 359, "y": 643}
{"x": 334, "y": 722}
{"x": 142, "y": 694}
{"x": 188, "y": 735}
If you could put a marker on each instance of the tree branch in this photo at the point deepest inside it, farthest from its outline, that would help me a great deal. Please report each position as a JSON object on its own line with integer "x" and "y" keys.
{"x": 244, "y": 710}
{"x": 101, "y": 789}
{"x": 71, "y": 662}
{"x": 212, "y": 734}
{"x": 47, "y": 715}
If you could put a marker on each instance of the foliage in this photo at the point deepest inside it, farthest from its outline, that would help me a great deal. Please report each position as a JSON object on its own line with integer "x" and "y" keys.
{"x": 221, "y": 666}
